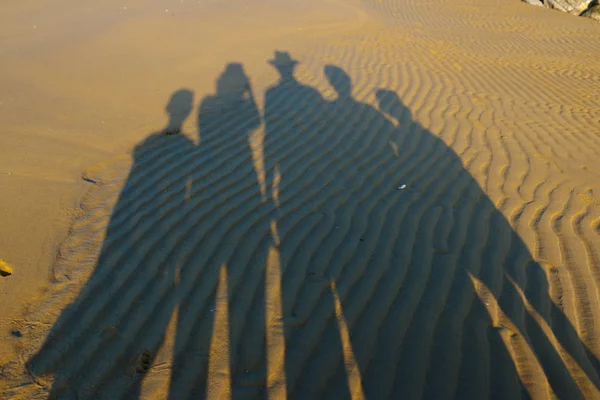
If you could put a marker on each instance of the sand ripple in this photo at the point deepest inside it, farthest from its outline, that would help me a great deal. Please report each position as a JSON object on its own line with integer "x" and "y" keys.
{"x": 427, "y": 229}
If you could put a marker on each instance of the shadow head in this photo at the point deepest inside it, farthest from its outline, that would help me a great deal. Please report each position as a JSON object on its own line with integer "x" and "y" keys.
{"x": 389, "y": 102}
{"x": 180, "y": 106}
{"x": 339, "y": 80}
{"x": 284, "y": 63}
{"x": 233, "y": 83}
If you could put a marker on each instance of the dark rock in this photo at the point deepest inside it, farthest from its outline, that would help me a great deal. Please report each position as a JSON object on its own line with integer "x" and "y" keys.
{"x": 587, "y": 8}
{"x": 593, "y": 13}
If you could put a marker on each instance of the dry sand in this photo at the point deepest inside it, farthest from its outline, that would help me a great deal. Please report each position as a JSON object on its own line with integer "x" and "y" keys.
{"x": 412, "y": 211}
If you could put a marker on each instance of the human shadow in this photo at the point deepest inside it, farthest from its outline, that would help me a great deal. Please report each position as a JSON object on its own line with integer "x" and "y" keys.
{"x": 398, "y": 276}
{"x": 94, "y": 349}
{"x": 226, "y": 244}
{"x": 486, "y": 253}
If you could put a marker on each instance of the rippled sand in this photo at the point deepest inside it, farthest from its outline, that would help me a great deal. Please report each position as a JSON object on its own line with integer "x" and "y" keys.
{"x": 365, "y": 199}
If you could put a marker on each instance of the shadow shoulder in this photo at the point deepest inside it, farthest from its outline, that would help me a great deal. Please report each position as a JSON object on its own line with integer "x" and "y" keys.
{"x": 160, "y": 142}
{"x": 209, "y": 104}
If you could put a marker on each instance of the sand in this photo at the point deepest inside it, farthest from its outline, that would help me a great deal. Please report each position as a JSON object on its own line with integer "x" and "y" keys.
{"x": 360, "y": 199}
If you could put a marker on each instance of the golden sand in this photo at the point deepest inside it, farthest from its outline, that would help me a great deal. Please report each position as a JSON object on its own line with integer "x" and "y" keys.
{"x": 365, "y": 199}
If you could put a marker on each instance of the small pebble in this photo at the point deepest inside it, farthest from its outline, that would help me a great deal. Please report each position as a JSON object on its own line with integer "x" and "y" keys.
{"x": 109, "y": 332}
{"x": 144, "y": 362}
{"x": 5, "y": 270}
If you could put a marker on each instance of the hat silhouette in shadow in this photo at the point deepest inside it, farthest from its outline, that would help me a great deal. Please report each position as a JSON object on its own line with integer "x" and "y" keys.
{"x": 284, "y": 63}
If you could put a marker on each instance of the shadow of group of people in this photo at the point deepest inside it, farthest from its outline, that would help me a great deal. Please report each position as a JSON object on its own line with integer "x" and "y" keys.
{"x": 376, "y": 228}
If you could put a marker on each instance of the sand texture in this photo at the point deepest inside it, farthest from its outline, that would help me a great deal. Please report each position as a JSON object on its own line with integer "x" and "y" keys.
{"x": 391, "y": 199}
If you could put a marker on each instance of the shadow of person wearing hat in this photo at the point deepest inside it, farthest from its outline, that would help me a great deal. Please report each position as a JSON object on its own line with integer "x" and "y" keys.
{"x": 292, "y": 112}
